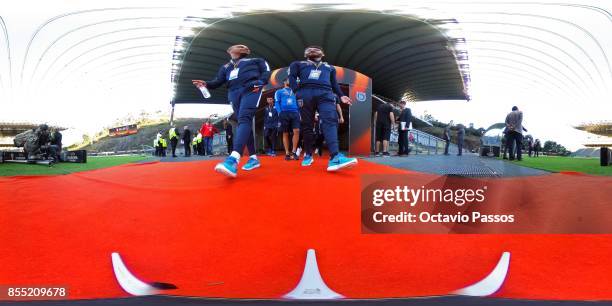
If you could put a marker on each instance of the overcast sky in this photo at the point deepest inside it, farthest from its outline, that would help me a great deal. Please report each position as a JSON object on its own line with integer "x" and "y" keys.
{"x": 84, "y": 70}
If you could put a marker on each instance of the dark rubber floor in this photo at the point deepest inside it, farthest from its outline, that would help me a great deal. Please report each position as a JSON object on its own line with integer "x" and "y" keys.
{"x": 466, "y": 165}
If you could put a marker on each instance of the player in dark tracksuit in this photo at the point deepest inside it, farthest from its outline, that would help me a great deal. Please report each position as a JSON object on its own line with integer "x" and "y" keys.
{"x": 245, "y": 78}
{"x": 314, "y": 82}
{"x": 270, "y": 126}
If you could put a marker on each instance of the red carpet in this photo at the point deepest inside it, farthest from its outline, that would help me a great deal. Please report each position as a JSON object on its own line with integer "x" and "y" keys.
{"x": 216, "y": 237}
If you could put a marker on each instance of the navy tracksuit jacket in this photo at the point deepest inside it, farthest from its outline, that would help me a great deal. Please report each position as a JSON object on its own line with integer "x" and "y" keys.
{"x": 245, "y": 79}
{"x": 270, "y": 118}
{"x": 317, "y": 89}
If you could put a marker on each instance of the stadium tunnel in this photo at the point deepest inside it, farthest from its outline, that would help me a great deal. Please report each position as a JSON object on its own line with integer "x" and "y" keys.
{"x": 404, "y": 56}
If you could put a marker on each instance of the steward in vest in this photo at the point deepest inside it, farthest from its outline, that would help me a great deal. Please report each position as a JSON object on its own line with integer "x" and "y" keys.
{"x": 164, "y": 145}
{"x": 194, "y": 144}
{"x": 174, "y": 138}
{"x": 199, "y": 144}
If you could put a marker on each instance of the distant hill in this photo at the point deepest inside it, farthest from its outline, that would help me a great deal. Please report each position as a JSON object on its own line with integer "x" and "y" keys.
{"x": 144, "y": 137}
{"x": 587, "y": 152}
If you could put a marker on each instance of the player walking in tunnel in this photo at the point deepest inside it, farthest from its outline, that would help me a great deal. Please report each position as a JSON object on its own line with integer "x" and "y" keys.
{"x": 314, "y": 82}
{"x": 289, "y": 116}
{"x": 245, "y": 78}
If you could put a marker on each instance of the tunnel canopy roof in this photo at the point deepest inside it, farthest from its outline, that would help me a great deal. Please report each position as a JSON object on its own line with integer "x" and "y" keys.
{"x": 602, "y": 128}
{"x": 404, "y": 56}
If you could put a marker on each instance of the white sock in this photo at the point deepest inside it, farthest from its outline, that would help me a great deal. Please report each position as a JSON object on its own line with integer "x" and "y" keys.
{"x": 235, "y": 155}
{"x": 254, "y": 156}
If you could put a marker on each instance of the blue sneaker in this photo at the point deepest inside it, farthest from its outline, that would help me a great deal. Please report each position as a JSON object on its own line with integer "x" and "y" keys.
{"x": 307, "y": 161}
{"x": 228, "y": 167}
{"x": 251, "y": 164}
{"x": 340, "y": 161}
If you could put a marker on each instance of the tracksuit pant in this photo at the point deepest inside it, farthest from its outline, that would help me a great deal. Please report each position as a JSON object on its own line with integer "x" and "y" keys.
{"x": 530, "y": 151}
{"x": 271, "y": 134}
{"x": 402, "y": 142}
{"x": 187, "y": 146}
{"x": 244, "y": 103}
{"x": 324, "y": 101}
{"x": 173, "y": 144}
{"x": 230, "y": 143}
{"x": 446, "y": 145}
{"x": 208, "y": 145}
{"x": 515, "y": 138}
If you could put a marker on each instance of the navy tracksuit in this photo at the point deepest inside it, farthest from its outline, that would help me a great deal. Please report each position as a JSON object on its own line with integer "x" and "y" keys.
{"x": 245, "y": 79}
{"x": 317, "y": 89}
{"x": 271, "y": 126}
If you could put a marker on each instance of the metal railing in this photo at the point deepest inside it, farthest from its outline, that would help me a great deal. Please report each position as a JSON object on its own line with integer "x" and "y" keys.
{"x": 145, "y": 149}
{"x": 424, "y": 143}
{"x": 420, "y": 143}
